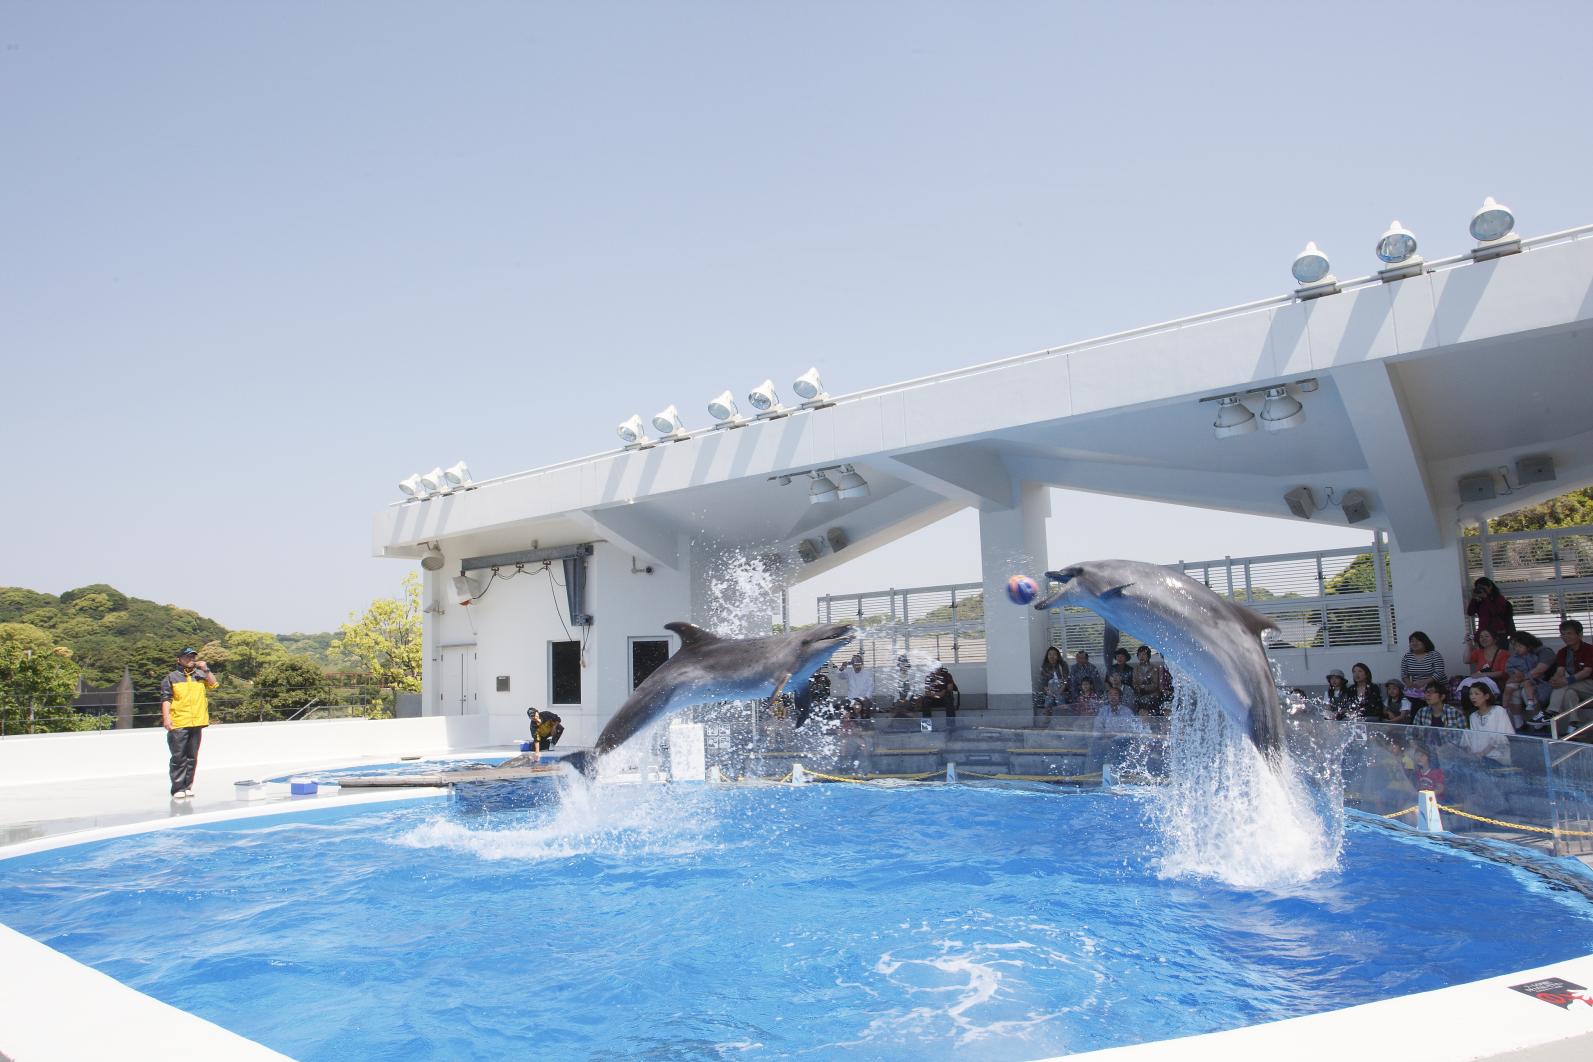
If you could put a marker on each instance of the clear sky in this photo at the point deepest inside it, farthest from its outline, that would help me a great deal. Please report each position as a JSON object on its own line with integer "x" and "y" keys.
{"x": 260, "y": 261}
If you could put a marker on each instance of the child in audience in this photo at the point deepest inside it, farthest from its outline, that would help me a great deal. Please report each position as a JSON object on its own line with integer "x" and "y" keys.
{"x": 1429, "y": 775}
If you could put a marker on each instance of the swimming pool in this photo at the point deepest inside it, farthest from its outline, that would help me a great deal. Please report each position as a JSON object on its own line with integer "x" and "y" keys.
{"x": 829, "y": 921}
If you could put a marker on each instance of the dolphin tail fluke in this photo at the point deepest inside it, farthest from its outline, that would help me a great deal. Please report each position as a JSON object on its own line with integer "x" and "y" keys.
{"x": 581, "y": 761}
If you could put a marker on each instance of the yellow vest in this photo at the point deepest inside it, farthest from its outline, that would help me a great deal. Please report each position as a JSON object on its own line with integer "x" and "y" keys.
{"x": 188, "y": 704}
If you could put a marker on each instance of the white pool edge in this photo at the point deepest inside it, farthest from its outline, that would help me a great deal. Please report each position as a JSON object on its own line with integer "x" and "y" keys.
{"x": 42, "y": 1014}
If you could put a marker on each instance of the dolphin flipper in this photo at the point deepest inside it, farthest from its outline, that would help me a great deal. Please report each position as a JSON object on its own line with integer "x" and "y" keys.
{"x": 1109, "y": 639}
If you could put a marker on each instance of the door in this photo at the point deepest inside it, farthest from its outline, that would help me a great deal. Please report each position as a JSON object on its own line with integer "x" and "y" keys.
{"x": 456, "y": 692}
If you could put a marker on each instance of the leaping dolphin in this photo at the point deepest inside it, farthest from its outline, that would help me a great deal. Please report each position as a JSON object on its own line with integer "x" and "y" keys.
{"x": 1215, "y": 640}
{"x": 710, "y": 668}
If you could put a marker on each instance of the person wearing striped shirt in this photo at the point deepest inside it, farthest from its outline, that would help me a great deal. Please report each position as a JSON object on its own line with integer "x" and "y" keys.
{"x": 1422, "y": 664}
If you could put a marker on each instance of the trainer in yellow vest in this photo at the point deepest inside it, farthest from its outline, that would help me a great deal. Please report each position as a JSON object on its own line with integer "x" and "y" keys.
{"x": 185, "y": 691}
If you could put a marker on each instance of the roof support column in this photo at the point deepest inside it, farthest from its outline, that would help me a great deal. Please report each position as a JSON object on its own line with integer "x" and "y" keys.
{"x": 1429, "y": 596}
{"x": 1012, "y": 542}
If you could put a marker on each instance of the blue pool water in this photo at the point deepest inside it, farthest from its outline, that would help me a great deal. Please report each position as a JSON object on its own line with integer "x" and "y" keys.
{"x": 830, "y": 921}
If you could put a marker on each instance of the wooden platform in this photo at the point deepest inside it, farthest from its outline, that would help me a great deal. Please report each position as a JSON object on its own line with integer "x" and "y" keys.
{"x": 443, "y": 778}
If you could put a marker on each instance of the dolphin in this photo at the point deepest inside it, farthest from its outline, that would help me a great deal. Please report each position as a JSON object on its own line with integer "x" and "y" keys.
{"x": 710, "y": 668}
{"x": 1213, "y": 639}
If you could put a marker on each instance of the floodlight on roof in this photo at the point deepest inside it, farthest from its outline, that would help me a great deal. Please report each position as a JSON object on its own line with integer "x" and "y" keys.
{"x": 1493, "y": 227}
{"x": 810, "y": 389}
{"x": 1312, "y": 272}
{"x": 667, "y": 422}
{"x": 458, "y": 476}
{"x": 1281, "y": 410}
{"x": 413, "y": 487}
{"x": 764, "y": 399}
{"x": 1397, "y": 247}
{"x": 822, "y": 489}
{"x": 632, "y": 434}
{"x": 432, "y": 560}
{"x": 723, "y": 410}
{"x": 851, "y": 485}
{"x": 1233, "y": 418}
{"x": 435, "y": 482}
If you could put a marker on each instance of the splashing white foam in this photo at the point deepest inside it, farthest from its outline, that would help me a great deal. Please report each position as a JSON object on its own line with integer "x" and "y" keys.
{"x": 1226, "y": 814}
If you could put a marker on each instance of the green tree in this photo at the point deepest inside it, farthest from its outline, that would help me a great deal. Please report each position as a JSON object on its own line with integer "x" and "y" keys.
{"x": 250, "y": 651}
{"x": 38, "y": 680}
{"x": 385, "y": 642}
{"x": 286, "y": 686}
{"x": 1568, "y": 510}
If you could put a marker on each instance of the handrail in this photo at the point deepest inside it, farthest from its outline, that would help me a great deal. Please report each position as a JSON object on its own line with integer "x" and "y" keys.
{"x": 1554, "y": 721}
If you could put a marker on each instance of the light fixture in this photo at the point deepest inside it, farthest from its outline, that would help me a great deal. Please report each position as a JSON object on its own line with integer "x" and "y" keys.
{"x": 1355, "y": 507}
{"x": 466, "y": 587}
{"x": 1233, "y": 418}
{"x": 723, "y": 410}
{"x": 1493, "y": 227}
{"x": 822, "y": 489}
{"x": 1397, "y": 247}
{"x": 1281, "y": 410}
{"x": 435, "y": 481}
{"x": 764, "y": 399}
{"x": 1311, "y": 272}
{"x": 458, "y": 476}
{"x": 432, "y": 559}
{"x": 632, "y": 434}
{"x": 1306, "y": 386}
{"x": 851, "y": 485}
{"x": 667, "y": 422}
{"x": 413, "y": 488}
{"x": 810, "y": 389}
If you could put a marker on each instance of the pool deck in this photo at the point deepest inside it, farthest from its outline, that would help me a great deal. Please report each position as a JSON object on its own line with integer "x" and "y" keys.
{"x": 40, "y": 1014}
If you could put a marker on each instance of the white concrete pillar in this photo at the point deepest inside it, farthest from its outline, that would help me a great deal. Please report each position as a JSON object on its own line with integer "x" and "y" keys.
{"x": 1429, "y": 596}
{"x": 1012, "y": 542}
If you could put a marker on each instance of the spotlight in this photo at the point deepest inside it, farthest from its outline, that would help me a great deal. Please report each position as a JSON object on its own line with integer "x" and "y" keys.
{"x": 1355, "y": 507}
{"x": 1281, "y": 410}
{"x": 810, "y": 389}
{"x": 667, "y": 421}
{"x": 1491, "y": 227}
{"x": 851, "y": 485}
{"x": 413, "y": 488}
{"x": 1311, "y": 273}
{"x": 765, "y": 401}
{"x": 633, "y": 434}
{"x": 821, "y": 489}
{"x": 458, "y": 476}
{"x": 1233, "y": 418}
{"x": 1397, "y": 247}
{"x": 466, "y": 587}
{"x": 433, "y": 559}
{"x": 435, "y": 481}
{"x": 723, "y": 410}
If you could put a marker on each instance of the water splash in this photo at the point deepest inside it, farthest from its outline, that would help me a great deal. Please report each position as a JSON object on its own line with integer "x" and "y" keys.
{"x": 1226, "y": 814}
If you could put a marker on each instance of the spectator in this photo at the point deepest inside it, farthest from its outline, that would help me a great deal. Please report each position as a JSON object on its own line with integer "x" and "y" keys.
{"x": 1055, "y": 694}
{"x": 1366, "y": 700}
{"x": 1396, "y": 707}
{"x": 1115, "y": 681}
{"x": 1429, "y": 775}
{"x": 1115, "y": 716}
{"x": 1052, "y": 666}
{"x": 940, "y": 691}
{"x": 860, "y": 687}
{"x": 1081, "y": 670}
{"x": 904, "y": 681}
{"x": 1527, "y": 689}
{"x": 1338, "y": 694}
{"x": 1572, "y": 680}
{"x": 1493, "y": 611}
{"x": 1437, "y": 712}
{"x": 1150, "y": 682}
{"x": 1489, "y": 657}
{"x": 1490, "y": 723}
{"x": 1087, "y": 700}
{"x": 1121, "y": 667}
{"x": 1422, "y": 664}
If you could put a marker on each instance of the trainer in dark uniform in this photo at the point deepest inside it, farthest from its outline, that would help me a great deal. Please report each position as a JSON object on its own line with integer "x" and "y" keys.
{"x": 185, "y": 713}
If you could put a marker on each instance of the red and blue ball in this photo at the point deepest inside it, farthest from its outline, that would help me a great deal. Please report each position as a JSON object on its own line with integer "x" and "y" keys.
{"x": 1021, "y": 589}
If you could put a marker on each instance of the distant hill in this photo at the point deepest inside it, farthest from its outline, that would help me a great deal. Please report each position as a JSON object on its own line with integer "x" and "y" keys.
{"x": 107, "y": 630}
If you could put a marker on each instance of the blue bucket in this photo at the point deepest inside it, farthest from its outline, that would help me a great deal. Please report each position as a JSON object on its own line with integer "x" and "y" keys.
{"x": 525, "y": 746}
{"x": 303, "y": 786}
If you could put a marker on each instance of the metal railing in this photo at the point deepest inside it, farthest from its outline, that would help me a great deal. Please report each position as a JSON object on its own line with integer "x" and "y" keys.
{"x": 1547, "y": 575}
{"x": 1322, "y": 599}
{"x": 225, "y": 706}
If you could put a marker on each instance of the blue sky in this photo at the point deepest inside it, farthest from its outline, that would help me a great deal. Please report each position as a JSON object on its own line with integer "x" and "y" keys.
{"x": 260, "y": 261}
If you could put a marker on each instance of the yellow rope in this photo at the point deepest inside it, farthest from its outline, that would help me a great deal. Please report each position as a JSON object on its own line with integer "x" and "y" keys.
{"x": 1513, "y": 825}
{"x": 1034, "y": 777}
{"x": 1397, "y": 814}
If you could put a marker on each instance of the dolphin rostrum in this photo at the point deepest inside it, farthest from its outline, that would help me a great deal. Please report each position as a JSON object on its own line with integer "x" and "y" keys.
{"x": 710, "y": 668}
{"x": 1215, "y": 640}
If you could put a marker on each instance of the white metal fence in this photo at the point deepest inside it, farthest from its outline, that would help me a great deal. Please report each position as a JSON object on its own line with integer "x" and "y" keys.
{"x": 1547, "y": 575}
{"x": 1326, "y": 599}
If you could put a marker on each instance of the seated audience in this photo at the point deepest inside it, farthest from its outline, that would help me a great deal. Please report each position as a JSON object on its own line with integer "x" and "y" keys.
{"x": 1338, "y": 695}
{"x": 1437, "y": 712}
{"x": 1052, "y": 666}
{"x": 940, "y": 691}
{"x": 1490, "y": 723}
{"x": 1121, "y": 667}
{"x": 1365, "y": 699}
{"x": 1493, "y": 611}
{"x": 1429, "y": 775}
{"x": 1151, "y": 682}
{"x": 1527, "y": 689}
{"x": 1115, "y": 681}
{"x": 1081, "y": 670}
{"x": 1054, "y": 695}
{"x": 1396, "y": 707}
{"x": 1488, "y": 657}
{"x": 1087, "y": 700}
{"x": 1572, "y": 680}
{"x": 1421, "y": 665}
{"x": 860, "y": 687}
{"x": 904, "y": 681}
{"x": 1116, "y": 717}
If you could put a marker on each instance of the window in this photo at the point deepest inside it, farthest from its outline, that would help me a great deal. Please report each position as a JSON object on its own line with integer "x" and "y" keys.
{"x": 646, "y": 656}
{"x": 564, "y": 669}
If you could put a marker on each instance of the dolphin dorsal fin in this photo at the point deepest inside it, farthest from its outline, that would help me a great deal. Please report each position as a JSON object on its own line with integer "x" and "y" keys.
{"x": 690, "y": 634}
{"x": 1255, "y": 622}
